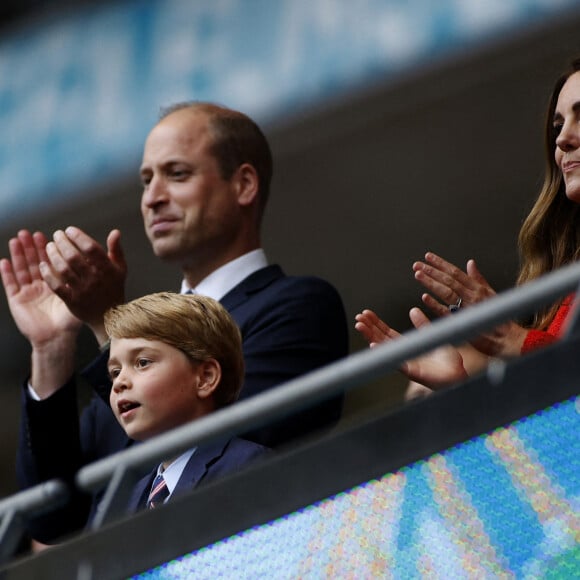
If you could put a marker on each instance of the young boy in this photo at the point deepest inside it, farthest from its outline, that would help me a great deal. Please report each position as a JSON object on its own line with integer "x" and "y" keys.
{"x": 175, "y": 358}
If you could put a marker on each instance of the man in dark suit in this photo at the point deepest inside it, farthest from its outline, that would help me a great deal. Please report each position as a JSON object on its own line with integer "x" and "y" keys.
{"x": 206, "y": 174}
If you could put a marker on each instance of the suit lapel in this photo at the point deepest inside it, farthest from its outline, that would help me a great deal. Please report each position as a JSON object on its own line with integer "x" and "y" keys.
{"x": 252, "y": 284}
{"x": 140, "y": 493}
{"x": 194, "y": 471}
{"x": 198, "y": 466}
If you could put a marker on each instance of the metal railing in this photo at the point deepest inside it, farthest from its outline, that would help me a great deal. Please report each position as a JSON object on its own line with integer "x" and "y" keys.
{"x": 119, "y": 472}
{"x": 16, "y": 509}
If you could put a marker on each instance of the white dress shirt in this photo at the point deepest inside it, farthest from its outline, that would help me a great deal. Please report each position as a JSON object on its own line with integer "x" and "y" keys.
{"x": 228, "y": 276}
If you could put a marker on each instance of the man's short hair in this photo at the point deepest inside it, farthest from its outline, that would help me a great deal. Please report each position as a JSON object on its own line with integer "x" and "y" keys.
{"x": 197, "y": 325}
{"x": 237, "y": 140}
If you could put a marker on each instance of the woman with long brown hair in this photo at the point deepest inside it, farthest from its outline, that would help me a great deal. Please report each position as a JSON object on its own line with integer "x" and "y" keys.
{"x": 549, "y": 239}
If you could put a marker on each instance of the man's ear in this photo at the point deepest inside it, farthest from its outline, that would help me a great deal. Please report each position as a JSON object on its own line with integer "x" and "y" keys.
{"x": 210, "y": 374}
{"x": 247, "y": 184}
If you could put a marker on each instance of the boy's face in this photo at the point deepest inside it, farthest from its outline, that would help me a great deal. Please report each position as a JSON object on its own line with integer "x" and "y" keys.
{"x": 156, "y": 387}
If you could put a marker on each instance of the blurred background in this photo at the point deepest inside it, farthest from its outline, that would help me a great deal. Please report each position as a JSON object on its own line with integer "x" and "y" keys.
{"x": 397, "y": 127}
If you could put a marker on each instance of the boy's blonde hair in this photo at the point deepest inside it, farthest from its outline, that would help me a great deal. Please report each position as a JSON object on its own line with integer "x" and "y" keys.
{"x": 197, "y": 325}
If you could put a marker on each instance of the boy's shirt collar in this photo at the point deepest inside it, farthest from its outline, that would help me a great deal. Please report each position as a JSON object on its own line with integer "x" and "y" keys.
{"x": 173, "y": 472}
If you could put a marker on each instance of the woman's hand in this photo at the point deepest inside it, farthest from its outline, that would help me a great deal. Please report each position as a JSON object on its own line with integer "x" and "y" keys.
{"x": 435, "y": 369}
{"x": 450, "y": 288}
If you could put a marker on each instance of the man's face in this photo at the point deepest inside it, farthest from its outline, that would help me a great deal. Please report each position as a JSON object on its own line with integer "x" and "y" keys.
{"x": 155, "y": 387}
{"x": 190, "y": 213}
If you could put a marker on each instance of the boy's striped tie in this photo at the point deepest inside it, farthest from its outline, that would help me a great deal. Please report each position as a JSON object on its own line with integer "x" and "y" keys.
{"x": 159, "y": 492}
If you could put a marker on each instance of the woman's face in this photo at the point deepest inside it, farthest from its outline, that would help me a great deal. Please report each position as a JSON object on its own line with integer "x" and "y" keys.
{"x": 567, "y": 127}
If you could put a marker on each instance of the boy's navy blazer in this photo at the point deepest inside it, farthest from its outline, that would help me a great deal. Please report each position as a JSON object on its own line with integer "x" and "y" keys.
{"x": 208, "y": 462}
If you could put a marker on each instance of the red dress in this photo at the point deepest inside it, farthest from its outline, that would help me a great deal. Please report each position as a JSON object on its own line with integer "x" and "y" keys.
{"x": 538, "y": 338}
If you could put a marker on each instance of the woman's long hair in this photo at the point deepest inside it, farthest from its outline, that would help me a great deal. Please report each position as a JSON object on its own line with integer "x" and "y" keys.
{"x": 550, "y": 235}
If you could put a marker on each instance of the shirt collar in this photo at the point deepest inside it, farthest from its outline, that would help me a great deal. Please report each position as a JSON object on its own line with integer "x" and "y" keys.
{"x": 174, "y": 470}
{"x": 228, "y": 276}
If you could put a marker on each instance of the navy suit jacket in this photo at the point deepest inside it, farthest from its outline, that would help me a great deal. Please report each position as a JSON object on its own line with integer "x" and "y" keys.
{"x": 290, "y": 325}
{"x": 208, "y": 463}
